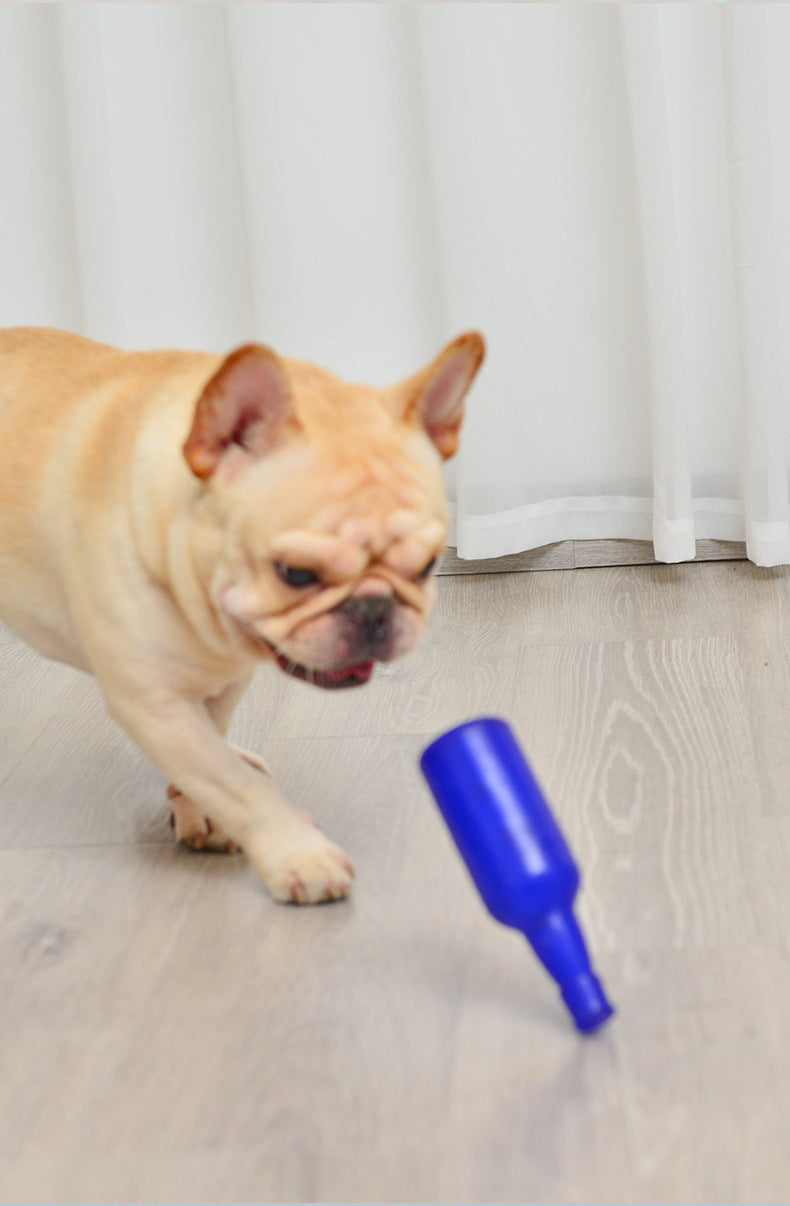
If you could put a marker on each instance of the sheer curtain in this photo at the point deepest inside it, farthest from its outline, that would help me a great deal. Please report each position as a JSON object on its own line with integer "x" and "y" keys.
{"x": 602, "y": 189}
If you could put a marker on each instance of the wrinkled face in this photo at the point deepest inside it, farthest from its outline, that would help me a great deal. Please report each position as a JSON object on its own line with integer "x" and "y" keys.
{"x": 324, "y": 507}
{"x": 332, "y": 570}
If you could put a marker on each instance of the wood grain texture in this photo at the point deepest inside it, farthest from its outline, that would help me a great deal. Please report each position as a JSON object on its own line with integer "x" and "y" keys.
{"x": 171, "y": 1034}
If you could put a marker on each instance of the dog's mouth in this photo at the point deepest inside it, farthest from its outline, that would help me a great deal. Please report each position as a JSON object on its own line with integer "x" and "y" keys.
{"x": 350, "y": 676}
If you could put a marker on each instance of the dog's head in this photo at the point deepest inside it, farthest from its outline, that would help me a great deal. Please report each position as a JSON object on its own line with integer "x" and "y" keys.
{"x": 325, "y": 506}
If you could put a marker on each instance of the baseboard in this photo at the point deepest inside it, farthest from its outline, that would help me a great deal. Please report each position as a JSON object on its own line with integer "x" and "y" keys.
{"x": 583, "y": 554}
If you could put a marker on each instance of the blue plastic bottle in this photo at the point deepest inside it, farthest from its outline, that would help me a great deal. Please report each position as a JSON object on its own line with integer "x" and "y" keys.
{"x": 515, "y": 852}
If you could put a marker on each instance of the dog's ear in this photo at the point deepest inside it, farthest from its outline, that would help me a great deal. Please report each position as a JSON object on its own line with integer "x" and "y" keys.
{"x": 435, "y": 396}
{"x": 247, "y": 402}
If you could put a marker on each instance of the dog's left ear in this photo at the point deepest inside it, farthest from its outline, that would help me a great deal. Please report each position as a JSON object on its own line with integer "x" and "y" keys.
{"x": 247, "y": 402}
{"x": 435, "y": 396}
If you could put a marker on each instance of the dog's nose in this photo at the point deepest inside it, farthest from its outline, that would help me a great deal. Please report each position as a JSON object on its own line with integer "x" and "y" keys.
{"x": 371, "y": 615}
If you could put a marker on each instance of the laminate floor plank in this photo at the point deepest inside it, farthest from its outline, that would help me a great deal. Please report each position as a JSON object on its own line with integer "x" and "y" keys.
{"x": 172, "y": 1034}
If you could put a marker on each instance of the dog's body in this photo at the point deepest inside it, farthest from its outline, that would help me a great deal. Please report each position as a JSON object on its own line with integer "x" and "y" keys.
{"x": 168, "y": 520}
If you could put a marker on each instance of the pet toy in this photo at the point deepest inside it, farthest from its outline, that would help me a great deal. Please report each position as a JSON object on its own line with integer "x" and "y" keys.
{"x": 515, "y": 852}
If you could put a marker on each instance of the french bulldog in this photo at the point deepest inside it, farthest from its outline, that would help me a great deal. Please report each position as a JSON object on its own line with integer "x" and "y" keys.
{"x": 169, "y": 520}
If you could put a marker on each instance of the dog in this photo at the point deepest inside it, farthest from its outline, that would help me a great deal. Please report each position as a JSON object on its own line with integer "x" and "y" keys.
{"x": 170, "y": 520}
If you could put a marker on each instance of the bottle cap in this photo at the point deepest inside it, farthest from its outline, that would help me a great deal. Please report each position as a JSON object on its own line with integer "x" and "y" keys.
{"x": 586, "y": 1001}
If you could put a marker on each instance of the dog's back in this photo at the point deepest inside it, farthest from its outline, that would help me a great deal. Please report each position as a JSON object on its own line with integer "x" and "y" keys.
{"x": 71, "y": 412}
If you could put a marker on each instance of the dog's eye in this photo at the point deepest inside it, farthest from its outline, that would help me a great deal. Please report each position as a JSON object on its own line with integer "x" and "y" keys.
{"x": 291, "y": 575}
{"x": 427, "y": 569}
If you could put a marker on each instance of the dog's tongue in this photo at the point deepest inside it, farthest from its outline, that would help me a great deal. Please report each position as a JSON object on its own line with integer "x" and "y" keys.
{"x": 361, "y": 673}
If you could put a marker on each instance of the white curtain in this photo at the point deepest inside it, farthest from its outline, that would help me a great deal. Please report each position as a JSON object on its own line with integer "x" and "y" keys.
{"x": 602, "y": 189}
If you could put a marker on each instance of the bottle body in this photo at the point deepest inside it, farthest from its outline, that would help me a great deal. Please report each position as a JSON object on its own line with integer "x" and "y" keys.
{"x": 504, "y": 830}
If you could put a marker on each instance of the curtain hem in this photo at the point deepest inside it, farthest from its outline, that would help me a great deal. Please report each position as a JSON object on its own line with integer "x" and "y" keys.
{"x": 594, "y": 518}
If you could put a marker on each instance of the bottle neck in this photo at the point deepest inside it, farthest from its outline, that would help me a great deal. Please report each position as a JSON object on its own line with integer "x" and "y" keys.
{"x": 558, "y": 943}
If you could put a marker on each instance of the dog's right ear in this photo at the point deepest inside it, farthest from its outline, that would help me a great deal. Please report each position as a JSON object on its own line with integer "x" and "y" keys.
{"x": 434, "y": 397}
{"x": 247, "y": 402}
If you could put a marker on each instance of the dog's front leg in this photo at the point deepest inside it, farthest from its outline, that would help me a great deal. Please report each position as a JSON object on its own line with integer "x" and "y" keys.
{"x": 295, "y": 860}
{"x": 191, "y": 827}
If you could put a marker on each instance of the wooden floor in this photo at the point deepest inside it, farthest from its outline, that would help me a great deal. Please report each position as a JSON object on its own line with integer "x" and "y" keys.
{"x": 168, "y": 1033}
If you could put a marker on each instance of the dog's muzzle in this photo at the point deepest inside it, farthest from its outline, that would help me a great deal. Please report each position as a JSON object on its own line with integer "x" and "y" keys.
{"x": 370, "y": 637}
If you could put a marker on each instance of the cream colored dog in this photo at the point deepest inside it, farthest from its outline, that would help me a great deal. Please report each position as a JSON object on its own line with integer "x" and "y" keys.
{"x": 168, "y": 520}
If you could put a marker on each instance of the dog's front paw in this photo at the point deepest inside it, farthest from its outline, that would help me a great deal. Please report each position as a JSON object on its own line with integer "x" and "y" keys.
{"x": 300, "y": 865}
{"x": 197, "y": 831}
{"x": 194, "y": 830}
